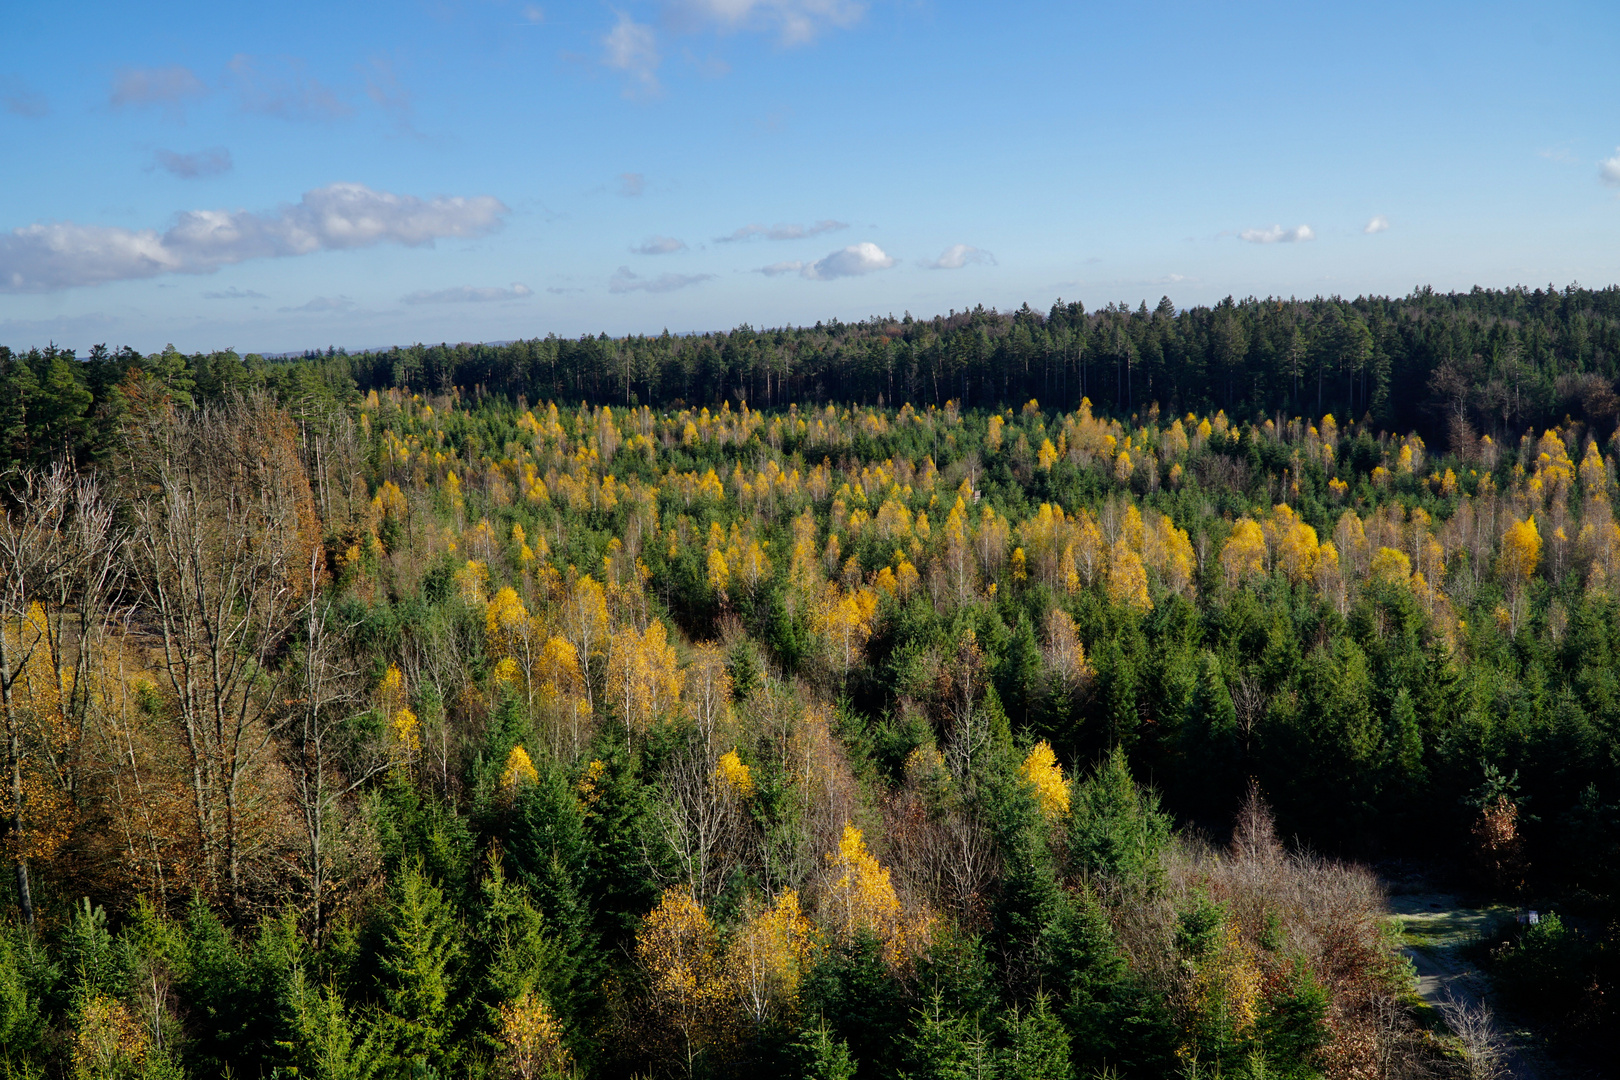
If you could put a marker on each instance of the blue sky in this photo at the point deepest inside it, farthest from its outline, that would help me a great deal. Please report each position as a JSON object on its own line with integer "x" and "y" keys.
{"x": 276, "y": 177}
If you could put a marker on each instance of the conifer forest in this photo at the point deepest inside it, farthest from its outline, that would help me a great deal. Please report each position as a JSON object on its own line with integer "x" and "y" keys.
{"x": 1002, "y": 694}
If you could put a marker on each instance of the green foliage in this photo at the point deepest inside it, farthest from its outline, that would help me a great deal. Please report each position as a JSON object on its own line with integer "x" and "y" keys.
{"x": 1116, "y": 829}
{"x": 420, "y": 962}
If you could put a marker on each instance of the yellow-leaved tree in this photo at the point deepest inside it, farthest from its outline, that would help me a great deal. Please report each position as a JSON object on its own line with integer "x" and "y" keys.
{"x": 679, "y": 952}
{"x": 1244, "y": 556}
{"x": 1127, "y": 578}
{"x": 768, "y": 956}
{"x": 531, "y": 1039}
{"x": 1045, "y": 775}
{"x": 860, "y": 896}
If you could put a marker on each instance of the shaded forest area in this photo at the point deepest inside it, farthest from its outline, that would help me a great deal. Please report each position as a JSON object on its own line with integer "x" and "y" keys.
{"x": 464, "y": 711}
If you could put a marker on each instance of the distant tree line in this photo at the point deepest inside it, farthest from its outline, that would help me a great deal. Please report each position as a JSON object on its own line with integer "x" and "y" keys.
{"x": 1498, "y": 361}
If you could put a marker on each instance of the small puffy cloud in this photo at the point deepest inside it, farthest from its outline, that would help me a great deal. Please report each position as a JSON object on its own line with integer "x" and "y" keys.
{"x": 783, "y": 232}
{"x": 61, "y": 255}
{"x": 283, "y": 88}
{"x": 777, "y": 269}
{"x": 324, "y": 303}
{"x": 169, "y": 88}
{"x": 210, "y": 162}
{"x": 233, "y": 293}
{"x": 796, "y": 22}
{"x": 626, "y": 280}
{"x": 632, "y": 184}
{"x": 862, "y": 258}
{"x": 1609, "y": 169}
{"x": 469, "y": 294}
{"x": 959, "y": 255}
{"x": 659, "y": 245}
{"x": 1378, "y": 224}
{"x": 1278, "y": 235}
{"x": 632, "y": 48}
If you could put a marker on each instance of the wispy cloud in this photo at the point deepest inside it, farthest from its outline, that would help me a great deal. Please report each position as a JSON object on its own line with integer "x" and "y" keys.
{"x": 632, "y": 48}
{"x": 19, "y": 101}
{"x": 626, "y": 280}
{"x": 1378, "y": 224}
{"x": 632, "y": 184}
{"x": 233, "y": 293}
{"x": 210, "y": 162}
{"x": 1609, "y": 169}
{"x": 389, "y": 94}
{"x": 659, "y": 245}
{"x": 283, "y": 88}
{"x": 469, "y": 294}
{"x": 795, "y": 22}
{"x": 959, "y": 255}
{"x": 323, "y": 303}
{"x": 168, "y": 88}
{"x": 61, "y": 255}
{"x": 777, "y": 269}
{"x": 533, "y": 14}
{"x": 782, "y": 232}
{"x": 1278, "y": 235}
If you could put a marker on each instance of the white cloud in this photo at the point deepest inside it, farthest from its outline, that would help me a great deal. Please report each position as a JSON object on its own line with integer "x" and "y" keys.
{"x": 795, "y": 21}
{"x": 282, "y": 88}
{"x": 783, "y": 232}
{"x": 167, "y": 87}
{"x": 1277, "y": 235}
{"x": 862, "y": 258}
{"x": 632, "y": 48}
{"x": 61, "y": 255}
{"x": 779, "y": 268}
{"x": 660, "y": 245}
{"x": 533, "y": 13}
{"x": 626, "y": 280}
{"x": 1609, "y": 169}
{"x": 233, "y": 293}
{"x": 324, "y": 303}
{"x": 469, "y": 294}
{"x": 210, "y": 162}
{"x": 959, "y": 255}
{"x": 1378, "y": 224}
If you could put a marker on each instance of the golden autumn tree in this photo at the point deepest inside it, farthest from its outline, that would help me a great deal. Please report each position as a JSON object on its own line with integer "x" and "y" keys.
{"x": 680, "y": 953}
{"x": 1243, "y": 558}
{"x": 1043, "y": 773}
{"x": 1127, "y": 578}
{"x": 531, "y": 1039}
{"x": 860, "y": 896}
{"x": 767, "y": 957}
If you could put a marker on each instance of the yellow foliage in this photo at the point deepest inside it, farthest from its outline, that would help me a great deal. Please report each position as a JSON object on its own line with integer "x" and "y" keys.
{"x": 861, "y": 895}
{"x": 1043, "y": 772}
{"x": 109, "y": 1042}
{"x": 1048, "y": 454}
{"x": 1521, "y": 550}
{"x": 736, "y": 775}
{"x": 767, "y": 957}
{"x": 677, "y": 947}
{"x": 1127, "y": 579}
{"x": 1244, "y": 556}
{"x": 1390, "y": 565}
{"x": 519, "y": 770}
{"x": 531, "y": 1039}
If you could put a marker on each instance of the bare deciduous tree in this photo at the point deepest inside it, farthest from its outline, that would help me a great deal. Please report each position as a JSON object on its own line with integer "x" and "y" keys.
{"x": 224, "y": 527}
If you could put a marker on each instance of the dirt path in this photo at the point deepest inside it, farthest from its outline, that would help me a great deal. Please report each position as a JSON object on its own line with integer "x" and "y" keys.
{"x": 1435, "y": 928}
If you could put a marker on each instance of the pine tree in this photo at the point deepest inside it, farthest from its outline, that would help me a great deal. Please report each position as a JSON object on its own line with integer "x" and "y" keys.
{"x": 421, "y": 956}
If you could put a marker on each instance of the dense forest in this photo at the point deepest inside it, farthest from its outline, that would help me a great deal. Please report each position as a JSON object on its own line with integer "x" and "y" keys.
{"x": 1000, "y": 695}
